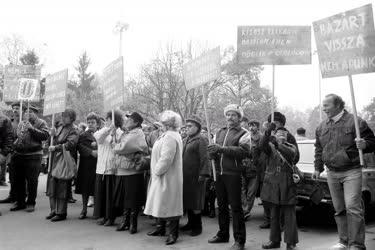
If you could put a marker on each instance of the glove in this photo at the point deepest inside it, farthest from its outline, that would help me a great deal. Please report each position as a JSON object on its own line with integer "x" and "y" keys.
{"x": 270, "y": 127}
{"x": 214, "y": 149}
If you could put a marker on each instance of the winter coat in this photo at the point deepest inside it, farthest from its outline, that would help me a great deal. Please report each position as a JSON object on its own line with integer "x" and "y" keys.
{"x": 229, "y": 160}
{"x": 30, "y": 140}
{"x": 278, "y": 185}
{"x": 129, "y": 150}
{"x": 195, "y": 164}
{"x": 87, "y": 163}
{"x": 164, "y": 199}
{"x": 6, "y": 135}
{"x": 104, "y": 139}
{"x": 66, "y": 136}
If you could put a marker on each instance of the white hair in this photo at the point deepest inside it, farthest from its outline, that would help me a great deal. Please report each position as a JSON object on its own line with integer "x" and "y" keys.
{"x": 171, "y": 119}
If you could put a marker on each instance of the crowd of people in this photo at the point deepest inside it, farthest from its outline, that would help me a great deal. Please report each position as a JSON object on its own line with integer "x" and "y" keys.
{"x": 165, "y": 170}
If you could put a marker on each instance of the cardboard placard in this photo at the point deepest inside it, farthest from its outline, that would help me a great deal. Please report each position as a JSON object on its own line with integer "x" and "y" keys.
{"x": 27, "y": 89}
{"x": 113, "y": 80}
{"x": 12, "y": 76}
{"x": 55, "y": 94}
{"x": 274, "y": 45}
{"x": 203, "y": 69}
{"x": 346, "y": 43}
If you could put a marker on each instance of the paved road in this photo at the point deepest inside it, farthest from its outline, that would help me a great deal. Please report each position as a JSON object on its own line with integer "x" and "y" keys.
{"x": 21, "y": 230}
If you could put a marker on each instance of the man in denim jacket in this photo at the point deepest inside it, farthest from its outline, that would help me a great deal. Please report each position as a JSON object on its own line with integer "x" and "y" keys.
{"x": 336, "y": 147}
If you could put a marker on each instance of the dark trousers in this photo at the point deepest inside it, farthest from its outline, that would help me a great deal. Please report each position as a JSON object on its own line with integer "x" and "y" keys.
{"x": 228, "y": 191}
{"x": 290, "y": 227}
{"x": 267, "y": 212}
{"x": 58, "y": 206}
{"x": 3, "y": 170}
{"x": 26, "y": 175}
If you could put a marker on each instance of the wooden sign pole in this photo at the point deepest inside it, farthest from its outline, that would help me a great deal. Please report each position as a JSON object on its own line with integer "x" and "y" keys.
{"x": 273, "y": 95}
{"x": 51, "y": 144}
{"x": 208, "y": 129}
{"x": 113, "y": 116}
{"x": 356, "y": 124}
{"x": 21, "y": 107}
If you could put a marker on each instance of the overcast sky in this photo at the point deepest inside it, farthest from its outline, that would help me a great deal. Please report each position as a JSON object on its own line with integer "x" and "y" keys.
{"x": 61, "y": 30}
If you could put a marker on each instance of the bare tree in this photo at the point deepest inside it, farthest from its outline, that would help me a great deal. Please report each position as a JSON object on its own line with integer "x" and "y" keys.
{"x": 12, "y": 47}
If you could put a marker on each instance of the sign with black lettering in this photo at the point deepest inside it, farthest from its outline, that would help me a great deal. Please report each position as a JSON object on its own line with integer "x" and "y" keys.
{"x": 113, "y": 80}
{"x": 203, "y": 69}
{"x": 274, "y": 45}
{"x": 346, "y": 43}
{"x": 12, "y": 76}
{"x": 55, "y": 94}
{"x": 27, "y": 88}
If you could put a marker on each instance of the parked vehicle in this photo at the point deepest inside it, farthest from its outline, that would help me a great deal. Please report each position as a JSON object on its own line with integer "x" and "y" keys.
{"x": 308, "y": 186}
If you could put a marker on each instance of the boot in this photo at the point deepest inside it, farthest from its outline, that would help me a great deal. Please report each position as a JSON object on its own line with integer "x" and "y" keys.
{"x": 160, "y": 229}
{"x": 125, "y": 222}
{"x": 196, "y": 225}
{"x": 188, "y": 225}
{"x": 271, "y": 245}
{"x": 173, "y": 232}
{"x": 133, "y": 222}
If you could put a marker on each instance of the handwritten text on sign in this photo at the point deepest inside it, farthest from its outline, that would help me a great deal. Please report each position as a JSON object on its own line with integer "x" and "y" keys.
{"x": 203, "y": 69}
{"x": 113, "y": 80}
{"x": 55, "y": 97}
{"x": 12, "y": 76}
{"x": 346, "y": 43}
{"x": 274, "y": 45}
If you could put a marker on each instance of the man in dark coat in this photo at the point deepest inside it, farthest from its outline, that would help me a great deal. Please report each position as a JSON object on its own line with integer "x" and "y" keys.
{"x": 14, "y": 117}
{"x": 31, "y": 132}
{"x": 195, "y": 172}
{"x": 6, "y": 138}
{"x": 228, "y": 154}
{"x": 279, "y": 188}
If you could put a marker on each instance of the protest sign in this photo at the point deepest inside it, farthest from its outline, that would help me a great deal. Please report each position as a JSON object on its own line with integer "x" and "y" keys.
{"x": 12, "y": 76}
{"x": 55, "y": 94}
{"x": 27, "y": 88}
{"x": 346, "y": 43}
{"x": 113, "y": 80}
{"x": 200, "y": 71}
{"x": 274, "y": 45}
{"x": 203, "y": 69}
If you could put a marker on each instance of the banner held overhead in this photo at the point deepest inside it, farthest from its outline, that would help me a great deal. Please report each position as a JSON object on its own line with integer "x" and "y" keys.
{"x": 113, "y": 80}
{"x": 274, "y": 45}
{"x": 55, "y": 94}
{"x": 346, "y": 43}
{"x": 12, "y": 77}
{"x": 203, "y": 69}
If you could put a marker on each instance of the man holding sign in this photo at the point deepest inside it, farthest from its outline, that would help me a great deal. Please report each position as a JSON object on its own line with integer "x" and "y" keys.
{"x": 336, "y": 147}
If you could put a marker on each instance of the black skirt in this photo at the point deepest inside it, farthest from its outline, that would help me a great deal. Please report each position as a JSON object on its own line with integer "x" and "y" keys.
{"x": 103, "y": 198}
{"x": 129, "y": 191}
{"x": 85, "y": 183}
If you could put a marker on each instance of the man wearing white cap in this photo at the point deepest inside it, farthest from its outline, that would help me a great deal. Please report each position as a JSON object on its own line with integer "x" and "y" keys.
{"x": 227, "y": 154}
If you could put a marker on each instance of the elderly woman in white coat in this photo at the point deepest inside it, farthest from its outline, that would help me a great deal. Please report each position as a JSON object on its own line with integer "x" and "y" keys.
{"x": 164, "y": 199}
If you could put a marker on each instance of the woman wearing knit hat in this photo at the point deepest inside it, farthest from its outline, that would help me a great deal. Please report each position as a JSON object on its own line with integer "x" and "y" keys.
{"x": 195, "y": 172}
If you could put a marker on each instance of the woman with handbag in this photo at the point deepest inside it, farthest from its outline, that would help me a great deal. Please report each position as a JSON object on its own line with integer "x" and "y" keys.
{"x": 87, "y": 148}
{"x": 63, "y": 165}
{"x": 129, "y": 183}
{"x": 105, "y": 169}
{"x": 164, "y": 199}
{"x": 279, "y": 186}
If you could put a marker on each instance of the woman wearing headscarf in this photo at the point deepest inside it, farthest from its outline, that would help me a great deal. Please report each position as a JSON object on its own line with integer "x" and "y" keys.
{"x": 65, "y": 137}
{"x": 279, "y": 186}
{"x": 195, "y": 172}
{"x": 164, "y": 199}
{"x": 105, "y": 169}
{"x": 87, "y": 148}
{"x": 129, "y": 184}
